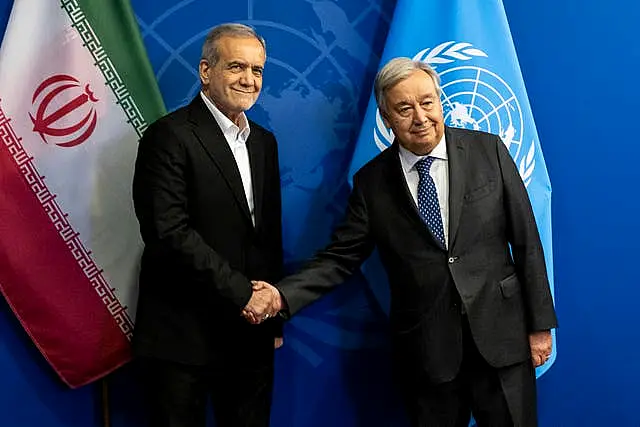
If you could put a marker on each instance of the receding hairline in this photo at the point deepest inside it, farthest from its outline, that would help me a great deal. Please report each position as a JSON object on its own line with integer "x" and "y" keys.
{"x": 228, "y": 30}
{"x": 235, "y": 37}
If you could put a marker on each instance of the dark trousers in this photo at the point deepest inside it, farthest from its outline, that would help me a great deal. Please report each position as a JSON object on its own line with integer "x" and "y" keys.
{"x": 504, "y": 397}
{"x": 177, "y": 394}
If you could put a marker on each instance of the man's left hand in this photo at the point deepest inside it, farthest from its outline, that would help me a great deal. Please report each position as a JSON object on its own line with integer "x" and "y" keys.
{"x": 541, "y": 345}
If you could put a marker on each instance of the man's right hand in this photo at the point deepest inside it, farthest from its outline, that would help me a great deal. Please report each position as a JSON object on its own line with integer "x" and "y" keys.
{"x": 265, "y": 303}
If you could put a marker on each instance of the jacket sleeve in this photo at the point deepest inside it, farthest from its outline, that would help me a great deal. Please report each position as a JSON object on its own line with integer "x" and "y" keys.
{"x": 160, "y": 196}
{"x": 526, "y": 247}
{"x": 351, "y": 244}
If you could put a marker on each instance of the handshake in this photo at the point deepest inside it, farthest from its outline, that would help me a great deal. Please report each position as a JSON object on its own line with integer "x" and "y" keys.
{"x": 265, "y": 303}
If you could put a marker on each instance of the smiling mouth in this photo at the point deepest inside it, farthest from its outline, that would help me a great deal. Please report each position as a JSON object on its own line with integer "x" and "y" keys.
{"x": 421, "y": 131}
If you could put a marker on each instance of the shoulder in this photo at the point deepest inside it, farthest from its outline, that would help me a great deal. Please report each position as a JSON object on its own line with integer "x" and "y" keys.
{"x": 172, "y": 120}
{"x": 259, "y": 131}
{"x": 167, "y": 134}
{"x": 468, "y": 137}
{"x": 265, "y": 138}
{"x": 474, "y": 142}
{"x": 374, "y": 168}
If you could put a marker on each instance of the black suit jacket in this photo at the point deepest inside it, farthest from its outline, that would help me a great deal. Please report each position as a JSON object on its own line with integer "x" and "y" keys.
{"x": 201, "y": 247}
{"x": 505, "y": 295}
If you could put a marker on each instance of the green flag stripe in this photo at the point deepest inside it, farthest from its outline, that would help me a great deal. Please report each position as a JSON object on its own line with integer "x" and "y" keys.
{"x": 110, "y": 32}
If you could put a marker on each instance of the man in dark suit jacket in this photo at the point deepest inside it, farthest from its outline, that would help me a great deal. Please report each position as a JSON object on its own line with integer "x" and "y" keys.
{"x": 207, "y": 195}
{"x": 470, "y": 318}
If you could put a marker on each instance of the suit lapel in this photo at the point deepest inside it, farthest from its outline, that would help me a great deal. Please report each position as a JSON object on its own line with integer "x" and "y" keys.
{"x": 457, "y": 164}
{"x": 257, "y": 159}
{"x": 210, "y": 136}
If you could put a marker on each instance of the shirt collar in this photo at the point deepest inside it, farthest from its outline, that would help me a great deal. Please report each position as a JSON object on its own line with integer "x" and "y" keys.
{"x": 230, "y": 130}
{"x": 409, "y": 159}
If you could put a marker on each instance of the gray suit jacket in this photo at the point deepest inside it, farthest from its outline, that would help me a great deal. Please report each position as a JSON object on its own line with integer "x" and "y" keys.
{"x": 505, "y": 293}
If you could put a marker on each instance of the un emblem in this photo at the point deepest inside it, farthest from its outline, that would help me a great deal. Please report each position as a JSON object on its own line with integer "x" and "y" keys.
{"x": 474, "y": 98}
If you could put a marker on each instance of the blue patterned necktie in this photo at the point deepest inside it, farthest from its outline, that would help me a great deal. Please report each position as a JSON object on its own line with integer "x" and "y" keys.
{"x": 428, "y": 204}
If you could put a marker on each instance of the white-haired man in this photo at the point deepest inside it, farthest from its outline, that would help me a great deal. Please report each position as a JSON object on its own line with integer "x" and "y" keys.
{"x": 471, "y": 309}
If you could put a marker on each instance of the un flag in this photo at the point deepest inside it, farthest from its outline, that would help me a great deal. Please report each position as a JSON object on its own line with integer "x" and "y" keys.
{"x": 470, "y": 46}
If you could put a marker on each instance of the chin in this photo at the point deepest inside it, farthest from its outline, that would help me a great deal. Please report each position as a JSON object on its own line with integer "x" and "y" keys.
{"x": 423, "y": 147}
{"x": 246, "y": 103}
{"x": 240, "y": 106}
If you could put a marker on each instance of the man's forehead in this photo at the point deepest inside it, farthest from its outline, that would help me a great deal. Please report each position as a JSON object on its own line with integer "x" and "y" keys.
{"x": 400, "y": 94}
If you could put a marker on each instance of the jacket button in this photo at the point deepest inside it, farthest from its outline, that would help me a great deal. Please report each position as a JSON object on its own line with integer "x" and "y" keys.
{"x": 453, "y": 259}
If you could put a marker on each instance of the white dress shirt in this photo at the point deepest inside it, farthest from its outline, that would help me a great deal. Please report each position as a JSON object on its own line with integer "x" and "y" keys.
{"x": 237, "y": 140}
{"x": 439, "y": 172}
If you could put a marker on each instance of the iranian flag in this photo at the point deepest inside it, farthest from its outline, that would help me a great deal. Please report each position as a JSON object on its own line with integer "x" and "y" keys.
{"x": 76, "y": 93}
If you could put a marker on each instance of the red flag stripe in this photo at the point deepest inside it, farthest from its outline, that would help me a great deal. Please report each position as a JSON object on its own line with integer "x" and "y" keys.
{"x": 48, "y": 277}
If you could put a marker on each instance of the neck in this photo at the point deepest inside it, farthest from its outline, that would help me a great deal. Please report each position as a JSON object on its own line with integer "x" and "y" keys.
{"x": 235, "y": 118}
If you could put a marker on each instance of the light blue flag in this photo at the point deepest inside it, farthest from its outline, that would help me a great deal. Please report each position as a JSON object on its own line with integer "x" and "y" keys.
{"x": 470, "y": 46}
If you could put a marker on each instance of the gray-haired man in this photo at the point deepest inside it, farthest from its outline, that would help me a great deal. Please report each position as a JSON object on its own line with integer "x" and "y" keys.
{"x": 207, "y": 195}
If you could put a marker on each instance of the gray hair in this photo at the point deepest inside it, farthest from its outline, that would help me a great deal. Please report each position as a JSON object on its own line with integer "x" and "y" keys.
{"x": 210, "y": 47}
{"x": 395, "y": 71}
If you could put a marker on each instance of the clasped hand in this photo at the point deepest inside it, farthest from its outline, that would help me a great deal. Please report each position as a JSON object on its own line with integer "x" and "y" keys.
{"x": 265, "y": 302}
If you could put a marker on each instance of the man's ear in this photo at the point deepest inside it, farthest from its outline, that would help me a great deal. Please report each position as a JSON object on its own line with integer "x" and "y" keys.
{"x": 204, "y": 69}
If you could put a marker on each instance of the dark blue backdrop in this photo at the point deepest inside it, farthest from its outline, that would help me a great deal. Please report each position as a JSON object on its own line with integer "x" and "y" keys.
{"x": 578, "y": 59}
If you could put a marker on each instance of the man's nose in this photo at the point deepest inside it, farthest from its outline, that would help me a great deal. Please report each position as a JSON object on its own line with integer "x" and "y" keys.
{"x": 419, "y": 116}
{"x": 247, "y": 78}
